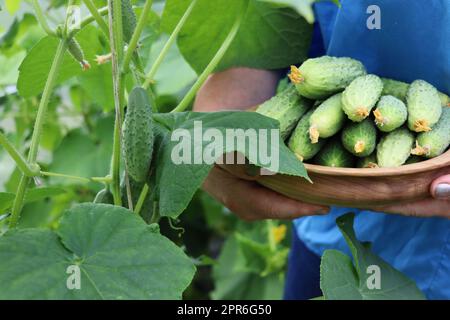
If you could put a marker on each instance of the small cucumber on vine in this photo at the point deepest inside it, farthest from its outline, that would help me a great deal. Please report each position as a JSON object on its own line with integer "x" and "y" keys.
{"x": 434, "y": 143}
{"x": 368, "y": 162}
{"x": 138, "y": 136}
{"x": 395, "y": 148}
{"x": 390, "y": 114}
{"x": 327, "y": 119}
{"x": 300, "y": 143}
{"x": 136, "y": 189}
{"x": 319, "y": 78}
{"x": 104, "y": 196}
{"x": 334, "y": 155}
{"x": 424, "y": 106}
{"x": 129, "y": 20}
{"x": 287, "y": 107}
{"x": 77, "y": 53}
{"x": 361, "y": 96}
{"x": 360, "y": 138}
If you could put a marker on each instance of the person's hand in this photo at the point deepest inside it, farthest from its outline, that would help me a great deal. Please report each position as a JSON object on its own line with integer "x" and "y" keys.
{"x": 438, "y": 205}
{"x": 240, "y": 89}
{"x": 251, "y": 201}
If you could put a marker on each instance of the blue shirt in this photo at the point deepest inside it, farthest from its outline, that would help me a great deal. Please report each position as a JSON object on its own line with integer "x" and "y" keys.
{"x": 413, "y": 43}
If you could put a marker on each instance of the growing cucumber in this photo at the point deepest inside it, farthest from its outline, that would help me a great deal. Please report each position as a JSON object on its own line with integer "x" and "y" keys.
{"x": 319, "y": 78}
{"x": 104, "y": 196}
{"x": 391, "y": 113}
{"x": 77, "y": 53}
{"x": 129, "y": 20}
{"x": 434, "y": 143}
{"x": 395, "y": 148}
{"x": 327, "y": 119}
{"x": 361, "y": 96}
{"x": 399, "y": 90}
{"x": 360, "y": 138}
{"x": 414, "y": 159}
{"x": 333, "y": 154}
{"x": 136, "y": 189}
{"x": 287, "y": 107}
{"x": 424, "y": 106}
{"x": 138, "y": 135}
{"x": 368, "y": 162}
{"x": 300, "y": 143}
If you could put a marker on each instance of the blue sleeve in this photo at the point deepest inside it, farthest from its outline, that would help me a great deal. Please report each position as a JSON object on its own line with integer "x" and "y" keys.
{"x": 412, "y": 43}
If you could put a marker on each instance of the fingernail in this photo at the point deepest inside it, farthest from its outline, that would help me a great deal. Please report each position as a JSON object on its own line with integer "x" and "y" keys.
{"x": 443, "y": 191}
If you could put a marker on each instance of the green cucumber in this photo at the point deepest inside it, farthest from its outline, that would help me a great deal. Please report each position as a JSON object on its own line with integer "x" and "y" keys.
{"x": 300, "y": 143}
{"x": 129, "y": 20}
{"x": 104, "y": 196}
{"x": 414, "y": 159}
{"x": 395, "y": 148}
{"x": 319, "y": 78}
{"x": 361, "y": 96}
{"x": 434, "y": 143}
{"x": 360, "y": 138}
{"x": 136, "y": 189}
{"x": 399, "y": 90}
{"x": 138, "y": 135}
{"x": 368, "y": 162}
{"x": 391, "y": 113}
{"x": 77, "y": 53}
{"x": 424, "y": 106}
{"x": 283, "y": 84}
{"x": 333, "y": 154}
{"x": 328, "y": 119}
{"x": 287, "y": 107}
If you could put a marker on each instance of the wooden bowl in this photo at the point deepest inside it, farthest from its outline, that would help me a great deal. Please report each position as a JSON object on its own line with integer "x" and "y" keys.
{"x": 361, "y": 188}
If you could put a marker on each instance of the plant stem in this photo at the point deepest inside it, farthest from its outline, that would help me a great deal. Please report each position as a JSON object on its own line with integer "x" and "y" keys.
{"x": 28, "y": 170}
{"x": 167, "y": 46}
{"x": 41, "y": 18}
{"x": 116, "y": 42}
{"x": 213, "y": 64}
{"x": 32, "y": 156}
{"x": 141, "y": 199}
{"x": 136, "y": 35}
{"x": 97, "y": 16}
{"x": 61, "y": 175}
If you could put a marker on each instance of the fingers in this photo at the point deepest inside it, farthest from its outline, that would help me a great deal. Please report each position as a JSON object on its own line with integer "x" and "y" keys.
{"x": 424, "y": 208}
{"x": 440, "y": 188}
{"x": 251, "y": 202}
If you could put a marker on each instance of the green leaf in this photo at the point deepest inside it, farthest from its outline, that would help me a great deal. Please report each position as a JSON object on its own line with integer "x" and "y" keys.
{"x": 176, "y": 184}
{"x": 7, "y": 199}
{"x": 341, "y": 280}
{"x": 33, "y": 71}
{"x": 9, "y": 68}
{"x": 118, "y": 256}
{"x": 270, "y": 37}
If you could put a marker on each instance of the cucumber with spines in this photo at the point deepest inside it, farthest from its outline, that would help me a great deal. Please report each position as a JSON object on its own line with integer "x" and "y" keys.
{"x": 368, "y": 162}
{"x": 104, "y": 196}
{"x": 328, "y": 119}
{"x": 391, "y": 113}
{"x": 394, "y": 148}
{"x": 333, "y": 154}
{"x": 360, "y": 138}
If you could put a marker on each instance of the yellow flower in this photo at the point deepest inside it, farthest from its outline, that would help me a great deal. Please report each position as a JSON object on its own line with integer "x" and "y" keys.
{"x": 279, "y": 233}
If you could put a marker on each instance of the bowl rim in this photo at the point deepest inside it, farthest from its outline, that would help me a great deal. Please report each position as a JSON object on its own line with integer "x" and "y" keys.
{"x": 431, "y": 164}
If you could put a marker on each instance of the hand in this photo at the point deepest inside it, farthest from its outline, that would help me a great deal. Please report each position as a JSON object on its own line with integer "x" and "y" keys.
{"x": 251, "y": 201}
{"x": 438, "y": 205}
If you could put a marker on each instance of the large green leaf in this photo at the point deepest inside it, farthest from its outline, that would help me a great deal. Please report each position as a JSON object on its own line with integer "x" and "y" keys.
{"x": 118, "y": 255}
{"x": 176, "y": 184}
{"x": 32, "y": 195}
{"x": 270, "y": 37}
{"x": 341, "y": 280}
{"x": 33, "y": 71}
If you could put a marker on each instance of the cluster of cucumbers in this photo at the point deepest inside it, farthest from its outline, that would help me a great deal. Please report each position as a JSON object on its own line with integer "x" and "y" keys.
{"x": 333, "y": 113}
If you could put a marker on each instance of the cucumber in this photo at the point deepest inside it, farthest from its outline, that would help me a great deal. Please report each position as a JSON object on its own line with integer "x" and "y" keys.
{"x": 333, "y": 154}
{"x": 368, "y": 162}
{"x": 104, "y": 196}
{"x": 395, "y": 148}
{"x": 287, "y": 107}
{"x": 361, "y": 96}
{"x": 360, "y": 138}
{"x": 319, "y": 78}
{"x": 138, "y": 135}
{"x": 399, "y": 90}
{"x": 434, "y": 143}
{"x": 77, "y": 53}
{"x": 391, "y": 113}
{"x": 328, "y": 119}
{"x": 136, "y": 189}
{"x": 424, "y": 106}
{"x": 283, "y": 84}
{"x": 300, "y": 144}
{"x": 129, "y": 20}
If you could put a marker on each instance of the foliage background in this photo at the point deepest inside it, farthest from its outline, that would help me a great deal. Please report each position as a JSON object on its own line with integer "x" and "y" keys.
{"x": 236, "y": 260}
